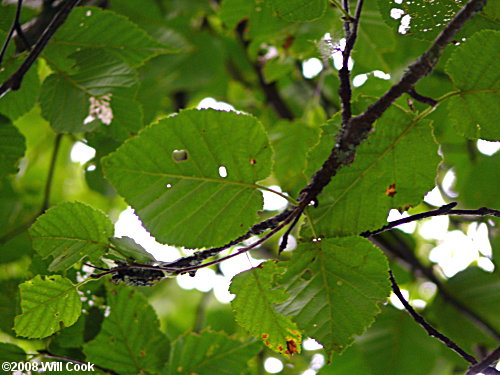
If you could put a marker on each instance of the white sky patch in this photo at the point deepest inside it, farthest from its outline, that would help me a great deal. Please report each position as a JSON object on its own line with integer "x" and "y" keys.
{"x": 435, "y": 198}
{"x": 478, "y": 233}
{"x": 382, "y": 75}
{"x": 81, "y": 153}
{"x": 128, "y": 224}
{"x": 204, "y": 280}
{"x": 237, "y": 264}
{"x": 311, "y": 344}
{"x": 273, "y": 365}
{"x": 215, "y": 104}
{"x": 434, "y": 228}
{"x": 448, "y": 183}
{"x": 395, "y": 300}
{"x": 291, "y": 244}
{"x": 332, "y": 49}
{"x": 395, "y": 215}
{"x": 397, "y": 13}
{"x": 404, "y": 26}
{"x": 272, "y": 201}
{"x": 221, "y": 289}
{"x": 454, "y": 253}
{"x": 487, "y": 147}
{"x": 317, "y": 361}
{"x": 359, "y": 80}
{"x": 311, "y": 68}
{"x": 309, "y": 371}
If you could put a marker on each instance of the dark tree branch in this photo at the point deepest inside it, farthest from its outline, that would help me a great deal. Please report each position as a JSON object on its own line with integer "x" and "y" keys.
{"x": 422, "y": 98}
{"x": 15, "y": 80}
{"x": 16, "y": 26}
{"x": 484, "y": 365}
{"x": 430, "y": 329}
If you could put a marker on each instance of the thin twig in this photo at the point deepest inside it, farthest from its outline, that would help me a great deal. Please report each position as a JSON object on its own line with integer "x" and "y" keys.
{"x": 430, "y": 329}
{"x": 15, "y": 80}
{"x": 50, "y": 176}
{"x": 422, "y": 98}
{"x": 485, "y": 363}
{"x": 443, "y": 210}
{"x": 345, "y": 91}
{"x": 15, "y": 27}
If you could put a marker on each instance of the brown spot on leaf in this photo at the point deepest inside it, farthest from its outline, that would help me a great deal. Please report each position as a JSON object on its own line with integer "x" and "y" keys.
{"x": 391, "y": 190}
{"x": 253, "y": 161}
{"x": 265, "y": 336}
{"x": 292, "y": 346}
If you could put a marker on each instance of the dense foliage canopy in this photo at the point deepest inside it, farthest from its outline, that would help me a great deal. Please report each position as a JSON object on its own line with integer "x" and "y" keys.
{"x": 263, "y": 144}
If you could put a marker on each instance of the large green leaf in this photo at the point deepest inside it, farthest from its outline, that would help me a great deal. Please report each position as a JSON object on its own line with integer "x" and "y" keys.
{"x": 172, "y": 175}
{"x": 394, "y": 345}
{"x": 66, "y": 99}
{"x": 299, "y": 10}
{"x": 70, "y": 232}
{"x": 88, "y": 27}
{"x": 478, "y": 290}
{"x": 336, "y": 286}
{"x": 12, "y": 146}
{"x": 254, "y": 309}
{"x": 478, "y": 185}
{"x": 395, "y": 167}
{"x": 48, "y": 304}
{"x": 476, "y": 109}
{"x": 130, "y": 341}
{"x": 210, "y": 353}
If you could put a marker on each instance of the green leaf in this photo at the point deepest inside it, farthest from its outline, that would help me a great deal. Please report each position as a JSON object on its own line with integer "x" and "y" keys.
{"x": 299, "y": 10}
{"x": 478, "y": 290}
{"x": 16, "y": 103}
{"x": 11, "y": 353}
{"x": 476, "y": 109}
{"x": 88, "y": 27}
{"x": 428, "y": 18}
{"x": 130, "y": 341}
{"x": 9, "y": 304}
{"x": 394, "y": 345}
{"x": 171, "y": 175}
{"x": 130, "y": 249}
{"x": 66, "y": 99}
{"x": 393, "y": 168}
{"x": 254, "y": 309}
{"x": 210, "y": 353}
{"x": 12, "y": 146}
{"x": 291, "y": 141}
{"x": 233, "y": 11}
{"x": 70, "y": 232}
{"x": 48, "y": 304}
{"x": 336, "y": 286}
{"x": 479, "y": 185}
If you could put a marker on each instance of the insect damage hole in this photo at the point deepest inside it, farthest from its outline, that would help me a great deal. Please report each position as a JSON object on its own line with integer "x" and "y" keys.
{"x": 179, "y": 155}
{"x": 222, "y": 171}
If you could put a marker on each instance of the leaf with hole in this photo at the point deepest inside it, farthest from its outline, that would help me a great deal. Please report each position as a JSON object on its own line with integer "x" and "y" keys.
{"x": 70, "y": 232}
{"x": 254, "y": 307}
{"x": 47, "y": 304}
{"x": 192, "y": 177}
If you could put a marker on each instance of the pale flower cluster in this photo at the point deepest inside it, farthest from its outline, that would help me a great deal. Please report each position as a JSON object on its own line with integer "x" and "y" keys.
{"x": 100, "y": 108}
